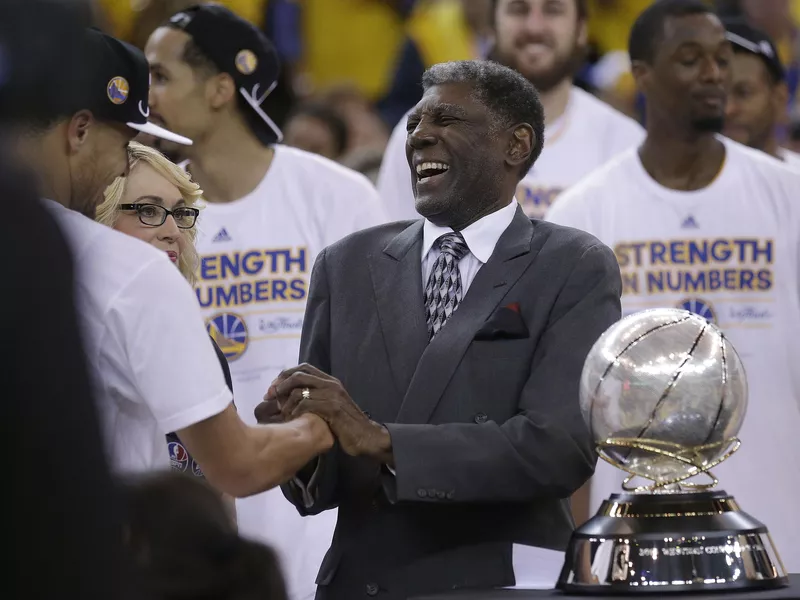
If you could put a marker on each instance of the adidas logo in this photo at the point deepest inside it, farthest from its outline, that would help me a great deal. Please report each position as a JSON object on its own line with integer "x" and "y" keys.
{"x": 688, "y": 223}
{"x": 222, "y": 236}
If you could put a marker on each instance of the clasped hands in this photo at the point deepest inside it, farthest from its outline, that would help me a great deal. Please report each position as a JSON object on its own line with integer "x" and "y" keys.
{"x": 326, "y": 398}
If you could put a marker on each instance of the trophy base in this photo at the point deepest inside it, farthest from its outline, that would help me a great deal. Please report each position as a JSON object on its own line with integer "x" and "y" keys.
{"x": 670, "y": 542}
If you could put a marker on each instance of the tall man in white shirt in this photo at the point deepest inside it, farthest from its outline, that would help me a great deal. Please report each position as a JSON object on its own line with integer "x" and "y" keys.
{"x": 545, "y": 41}
{"x": 759, "y": 94}
{"x": 271, "y": 210}
{"x": 703, "y": 223}
{"x": 154, "y": 369}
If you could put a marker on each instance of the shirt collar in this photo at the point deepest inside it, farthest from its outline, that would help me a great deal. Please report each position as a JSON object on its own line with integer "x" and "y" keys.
{"x": 481, "y": 237}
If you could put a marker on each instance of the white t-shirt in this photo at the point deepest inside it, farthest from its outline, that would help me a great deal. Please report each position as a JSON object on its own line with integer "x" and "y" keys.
{"x": 731, "y": 253}
{"x": 792, "y": 159}
{"x": 588, "y": 134}
{"x": 256, "y": 258}
{"x": 153, "y": 367}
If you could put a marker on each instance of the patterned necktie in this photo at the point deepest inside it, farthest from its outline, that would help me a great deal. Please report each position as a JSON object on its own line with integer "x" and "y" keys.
{"x": 443, "y": 291}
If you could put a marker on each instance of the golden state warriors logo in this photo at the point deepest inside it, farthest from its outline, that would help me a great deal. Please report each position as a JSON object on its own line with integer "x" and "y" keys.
{"x": 246, "y": 62}
{"x": 699, "y": 307}
{"x": 118, "y": 90}
{"x": 230, "y": 333}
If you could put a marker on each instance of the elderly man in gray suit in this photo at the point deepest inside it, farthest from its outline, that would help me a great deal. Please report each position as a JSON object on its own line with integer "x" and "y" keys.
{"x": 445, "y": 355}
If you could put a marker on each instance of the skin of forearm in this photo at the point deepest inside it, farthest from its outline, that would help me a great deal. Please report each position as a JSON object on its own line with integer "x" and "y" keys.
{"x": 240, "y": 460}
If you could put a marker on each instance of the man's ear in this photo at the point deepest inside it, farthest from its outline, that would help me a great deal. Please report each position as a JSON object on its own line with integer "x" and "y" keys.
{"x": 780, "y": 98}
{"x": 78, "y": 130}
{"x": 220, "y": 90}
{"x": 641, "y": 74}
{"x": 583, "y": 34}
{"x": 521, "y": 144}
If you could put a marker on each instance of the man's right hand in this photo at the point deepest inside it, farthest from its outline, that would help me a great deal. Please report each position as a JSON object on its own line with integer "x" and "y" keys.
{"x": 268, "y": 413}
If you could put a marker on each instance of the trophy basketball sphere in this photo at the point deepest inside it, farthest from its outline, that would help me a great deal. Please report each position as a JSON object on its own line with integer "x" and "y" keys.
{"x": 664, "y": 395}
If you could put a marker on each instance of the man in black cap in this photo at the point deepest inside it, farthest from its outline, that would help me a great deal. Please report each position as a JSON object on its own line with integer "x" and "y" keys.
{"x": 154, "y": 369}
{"x": 96, "y": 120}
{"x": 759, "y": 95}
{"x": 59, "y": 475}
{"x": 271, "y": 210}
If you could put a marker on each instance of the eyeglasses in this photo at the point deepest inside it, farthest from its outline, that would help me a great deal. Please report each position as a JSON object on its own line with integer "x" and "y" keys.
{"x": 155, "y": 215}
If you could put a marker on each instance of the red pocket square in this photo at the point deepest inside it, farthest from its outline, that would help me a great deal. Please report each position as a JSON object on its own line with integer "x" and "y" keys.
{"x": 505, "y": 323}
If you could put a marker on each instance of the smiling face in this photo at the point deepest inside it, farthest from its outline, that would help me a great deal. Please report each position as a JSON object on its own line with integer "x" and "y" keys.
{"x": 688, "y": 80}
{"x": 541, "y": 39}
{"x": 458, "y": 156}
{"x": 146, "y": 186}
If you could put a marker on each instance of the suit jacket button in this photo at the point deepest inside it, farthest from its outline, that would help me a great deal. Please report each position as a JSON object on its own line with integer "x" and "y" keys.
{"x": 422, "y": 493}
{"x": 450, "y": 495}
{"x": 481, "y": 418}
{"x": 372, "y": 589}
{"x": 431, "y": 493}
{"x": 441, "y": 495}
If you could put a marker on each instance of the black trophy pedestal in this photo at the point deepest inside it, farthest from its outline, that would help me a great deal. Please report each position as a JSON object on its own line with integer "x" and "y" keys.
{"x": 670, "y": 542}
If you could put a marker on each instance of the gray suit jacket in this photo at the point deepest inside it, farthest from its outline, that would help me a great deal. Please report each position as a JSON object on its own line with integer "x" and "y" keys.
{"x": 486, "y": 428}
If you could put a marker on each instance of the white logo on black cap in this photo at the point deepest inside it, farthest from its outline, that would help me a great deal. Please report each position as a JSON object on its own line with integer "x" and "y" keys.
{"x": 145, "y": 113}
{"x": 180, "y": 19}
{"x": 766, "y": 49}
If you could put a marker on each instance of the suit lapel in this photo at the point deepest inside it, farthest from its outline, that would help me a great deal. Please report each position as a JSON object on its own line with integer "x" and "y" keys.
{"x": 442, "y": 355}
{"x": 397, "y": 280}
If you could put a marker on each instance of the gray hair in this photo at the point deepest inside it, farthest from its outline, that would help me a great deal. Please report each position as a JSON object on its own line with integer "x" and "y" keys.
{"x": 509, "y": 97}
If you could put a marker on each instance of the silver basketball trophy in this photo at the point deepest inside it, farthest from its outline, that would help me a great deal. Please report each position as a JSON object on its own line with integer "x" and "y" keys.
{"x": 664, "y": 394}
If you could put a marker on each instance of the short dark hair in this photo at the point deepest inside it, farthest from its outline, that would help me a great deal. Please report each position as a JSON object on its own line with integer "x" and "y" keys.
{"x": 200, "y": 63}
{"x": 648, "y": 29}
{"x": 184, "y": 544}
{"x": 580, "y": 5}
{"x": 510, "y": 97}
{"x": 330, "y": 118}
{"x": 203, "y": 66}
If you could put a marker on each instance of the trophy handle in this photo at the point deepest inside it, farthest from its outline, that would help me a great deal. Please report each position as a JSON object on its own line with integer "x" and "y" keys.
{"x": 687, "y": 455}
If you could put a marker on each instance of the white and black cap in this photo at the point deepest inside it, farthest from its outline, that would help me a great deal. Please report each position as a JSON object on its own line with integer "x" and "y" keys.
{"x": 747, "y": 38}
{"x": 119, "y": 85}
{"x": 240, "y": 49}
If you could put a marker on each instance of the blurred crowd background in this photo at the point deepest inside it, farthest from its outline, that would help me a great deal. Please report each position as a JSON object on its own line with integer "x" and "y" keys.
{"x": 352, "y": 68}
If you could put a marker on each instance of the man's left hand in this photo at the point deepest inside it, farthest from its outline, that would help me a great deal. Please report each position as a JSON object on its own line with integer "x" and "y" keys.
{"x": 327, "y": 398}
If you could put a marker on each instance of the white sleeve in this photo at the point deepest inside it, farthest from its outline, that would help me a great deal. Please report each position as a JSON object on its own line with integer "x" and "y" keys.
{"x": 172, "y": 363}
{"x": 394, "y": 178}
{"x": 570, "y": 210}
{"x": 623, "y": 135}
{"x": 371, "y": 212}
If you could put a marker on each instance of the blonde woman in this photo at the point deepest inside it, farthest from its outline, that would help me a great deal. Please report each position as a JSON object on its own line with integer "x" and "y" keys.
{"x": 157, "y": 203}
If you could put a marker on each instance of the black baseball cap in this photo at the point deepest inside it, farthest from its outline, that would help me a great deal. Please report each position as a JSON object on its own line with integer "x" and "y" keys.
{"x": 118, "y": 85}
{"x": 747, "y": 38}
{"x": 238, "y": 48}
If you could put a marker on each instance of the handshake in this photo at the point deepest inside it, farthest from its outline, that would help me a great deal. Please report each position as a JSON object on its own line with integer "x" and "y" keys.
{"x": 305, "y": 390}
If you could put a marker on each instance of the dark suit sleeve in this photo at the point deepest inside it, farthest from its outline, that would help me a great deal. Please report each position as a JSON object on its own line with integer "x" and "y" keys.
{"x": 319, "y": 476}
{"x": 544, "y": 451}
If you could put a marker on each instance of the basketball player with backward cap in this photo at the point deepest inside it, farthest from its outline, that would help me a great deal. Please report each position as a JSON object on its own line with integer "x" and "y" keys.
{"x": 544, "y": 40}
{"x": 703, "y": 223}
{"x": 155, "y": 370}
{"x": 271, "y": 209}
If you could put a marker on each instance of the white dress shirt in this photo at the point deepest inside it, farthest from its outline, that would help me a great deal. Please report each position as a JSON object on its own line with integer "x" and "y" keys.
{"x": 534, "y": 568}
{"x": 481, "y": 238}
